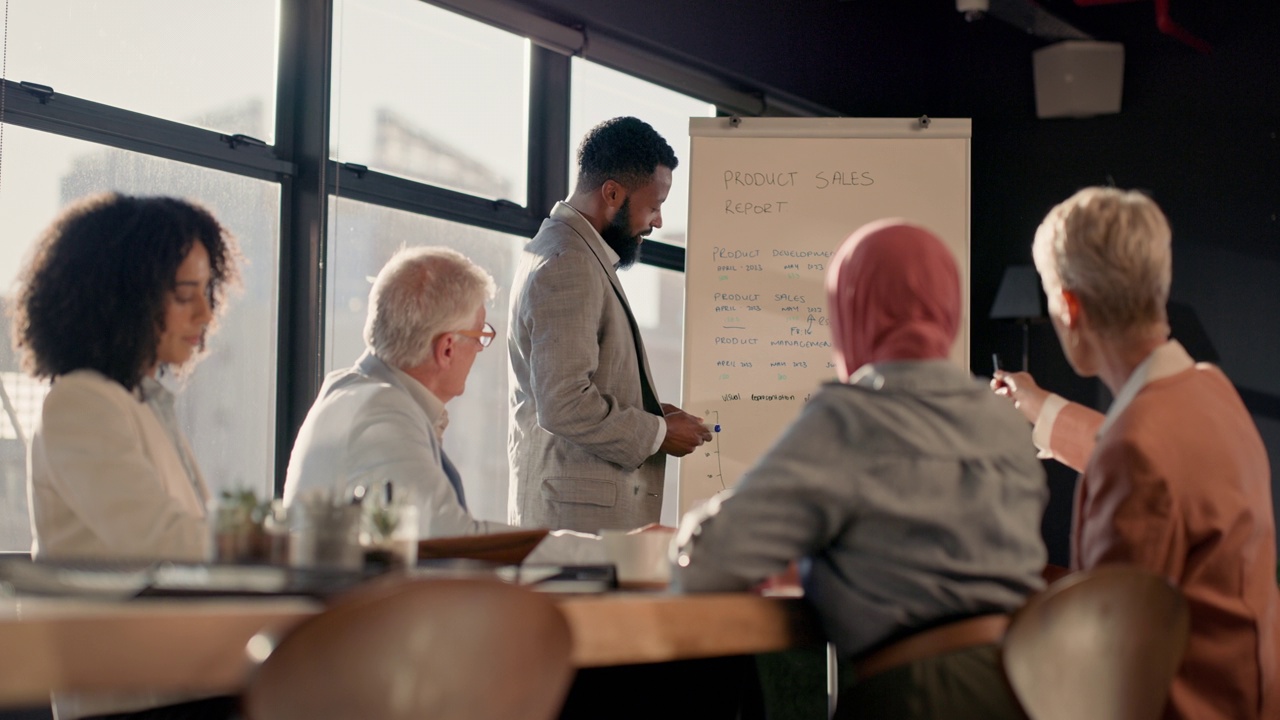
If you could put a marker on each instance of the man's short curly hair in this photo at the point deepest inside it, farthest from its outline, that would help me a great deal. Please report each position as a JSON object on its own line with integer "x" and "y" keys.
{"x": 94, "y": 293}
{"x": 626, "y": 150}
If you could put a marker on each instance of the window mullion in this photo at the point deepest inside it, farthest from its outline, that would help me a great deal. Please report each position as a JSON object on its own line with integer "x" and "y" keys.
{"x": 302, "y": 116}
{"x": 548, "y": 130}
{"x": 81, "y": 119}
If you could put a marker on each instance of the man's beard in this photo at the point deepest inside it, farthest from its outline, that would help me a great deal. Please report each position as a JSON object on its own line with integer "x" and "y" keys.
{"x": 617, "y": 236}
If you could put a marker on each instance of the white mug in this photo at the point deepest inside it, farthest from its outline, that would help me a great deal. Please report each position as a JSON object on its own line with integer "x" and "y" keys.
{"x": 640, "y": 557}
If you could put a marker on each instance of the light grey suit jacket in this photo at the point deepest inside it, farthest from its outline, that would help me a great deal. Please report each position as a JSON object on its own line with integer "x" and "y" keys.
{"x": 584, "y": 416}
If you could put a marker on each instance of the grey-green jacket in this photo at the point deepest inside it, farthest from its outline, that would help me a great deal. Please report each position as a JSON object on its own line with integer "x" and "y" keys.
{"x": 913, "y": 494}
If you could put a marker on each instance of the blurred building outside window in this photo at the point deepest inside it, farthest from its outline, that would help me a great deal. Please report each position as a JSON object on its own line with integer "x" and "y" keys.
{"x": 444, "y": 99}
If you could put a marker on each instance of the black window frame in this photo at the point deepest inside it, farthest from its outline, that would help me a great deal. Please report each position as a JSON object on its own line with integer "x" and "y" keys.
{"x": 299, "y": 161}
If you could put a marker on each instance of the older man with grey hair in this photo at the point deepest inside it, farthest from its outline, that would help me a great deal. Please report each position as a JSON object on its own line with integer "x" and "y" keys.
{"x": 383, "y": 418}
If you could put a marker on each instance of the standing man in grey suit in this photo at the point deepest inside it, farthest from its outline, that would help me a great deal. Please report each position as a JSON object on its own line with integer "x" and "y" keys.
{"x": 588, "y": 438}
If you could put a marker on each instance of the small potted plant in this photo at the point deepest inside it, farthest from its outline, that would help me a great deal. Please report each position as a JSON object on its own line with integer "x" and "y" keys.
{"x": 390, "y": 536}
{"x": 237, "y": 522}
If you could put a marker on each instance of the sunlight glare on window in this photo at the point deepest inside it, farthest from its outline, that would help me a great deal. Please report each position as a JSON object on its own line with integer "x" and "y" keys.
{"x": 443, "y": 100}
{"x": 211, "y": 65}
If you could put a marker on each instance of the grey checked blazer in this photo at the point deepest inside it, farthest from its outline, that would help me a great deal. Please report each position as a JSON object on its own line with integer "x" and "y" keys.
{"x": 584, "y": 416}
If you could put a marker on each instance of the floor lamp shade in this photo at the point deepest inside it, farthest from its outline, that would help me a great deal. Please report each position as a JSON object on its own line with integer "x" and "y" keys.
{"x": 1019, "y": 299}
{"x": 1019, "y": 295}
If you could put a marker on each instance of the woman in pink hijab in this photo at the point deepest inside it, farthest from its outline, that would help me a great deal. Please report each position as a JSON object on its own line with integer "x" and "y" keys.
{"x": 909, "y": 493}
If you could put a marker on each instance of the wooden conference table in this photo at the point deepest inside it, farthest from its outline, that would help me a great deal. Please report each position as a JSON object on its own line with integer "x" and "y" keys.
{"x": 199, "y": 645}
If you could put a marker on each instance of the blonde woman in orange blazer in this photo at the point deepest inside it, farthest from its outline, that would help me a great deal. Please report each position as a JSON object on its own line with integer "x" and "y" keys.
{"x": 1178, "y": 479}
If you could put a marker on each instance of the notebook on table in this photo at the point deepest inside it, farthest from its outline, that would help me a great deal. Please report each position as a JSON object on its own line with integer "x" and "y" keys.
{"x": 106, "y": 579}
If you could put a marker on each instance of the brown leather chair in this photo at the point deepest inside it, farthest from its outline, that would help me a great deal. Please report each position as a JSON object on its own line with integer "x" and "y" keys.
{"x": 1102, "y": 644}
{"x": 422, "y": 649}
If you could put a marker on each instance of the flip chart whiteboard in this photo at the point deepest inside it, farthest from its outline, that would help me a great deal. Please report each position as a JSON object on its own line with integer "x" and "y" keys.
{"x": 770, "y": 201}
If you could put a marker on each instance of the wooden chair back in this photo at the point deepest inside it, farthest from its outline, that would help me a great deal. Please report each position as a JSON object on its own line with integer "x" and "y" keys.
{"x": 1102, "y": 644}
{"x": 423, "y": 649}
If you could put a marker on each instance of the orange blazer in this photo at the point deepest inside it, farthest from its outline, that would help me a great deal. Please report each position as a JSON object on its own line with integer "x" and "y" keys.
{"x": 1180, "y": 484}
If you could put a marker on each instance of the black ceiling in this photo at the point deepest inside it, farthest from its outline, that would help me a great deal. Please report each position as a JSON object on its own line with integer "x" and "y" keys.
{"x": 908, "y": 57}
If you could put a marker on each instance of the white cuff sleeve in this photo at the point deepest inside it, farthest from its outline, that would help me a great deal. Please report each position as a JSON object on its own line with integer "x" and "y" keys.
{"x": 1043, "y": 430}
{"x": 662, "y": 435}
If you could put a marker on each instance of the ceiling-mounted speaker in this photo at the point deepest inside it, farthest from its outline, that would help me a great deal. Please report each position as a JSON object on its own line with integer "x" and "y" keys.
{"x": 1078, "y": 78}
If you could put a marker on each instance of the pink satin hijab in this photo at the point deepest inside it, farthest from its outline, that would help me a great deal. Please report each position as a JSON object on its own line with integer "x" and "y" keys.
{"x": 893, "y": 293}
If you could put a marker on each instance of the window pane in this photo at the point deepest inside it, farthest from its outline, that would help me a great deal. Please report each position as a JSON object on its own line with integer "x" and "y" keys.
{"x": 598, "y": 93}
{"x": 212, "y": 65}
{"x": 362, "y": 238}
{"x": 228, "y": 407}
{"x": 657, "y": 300}
{"x": 442, "y": 99}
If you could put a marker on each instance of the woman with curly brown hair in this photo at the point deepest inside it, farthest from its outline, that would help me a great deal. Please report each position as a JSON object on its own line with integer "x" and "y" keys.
{"x": 120, "y": 292}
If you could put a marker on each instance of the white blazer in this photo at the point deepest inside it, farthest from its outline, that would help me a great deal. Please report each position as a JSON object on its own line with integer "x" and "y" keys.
{"x": 104, "y": 479}
{"x": 367, "y": 426}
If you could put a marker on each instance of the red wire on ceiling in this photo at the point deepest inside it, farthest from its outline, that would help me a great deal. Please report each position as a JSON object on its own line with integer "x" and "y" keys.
{"x": 1164, "y": 22}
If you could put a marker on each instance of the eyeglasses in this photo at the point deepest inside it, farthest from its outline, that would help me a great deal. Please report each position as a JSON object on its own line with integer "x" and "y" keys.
{"x": 484, "y": 337}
